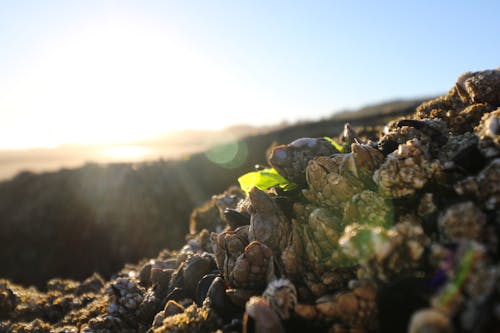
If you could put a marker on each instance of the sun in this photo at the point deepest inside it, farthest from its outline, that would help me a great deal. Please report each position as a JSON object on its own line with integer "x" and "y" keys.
{"x": 123, "y": 83}
{"x": 118, "y": 83}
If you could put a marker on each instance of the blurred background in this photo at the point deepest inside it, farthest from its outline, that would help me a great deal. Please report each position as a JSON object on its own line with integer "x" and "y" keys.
{"x": 117, "y": 118}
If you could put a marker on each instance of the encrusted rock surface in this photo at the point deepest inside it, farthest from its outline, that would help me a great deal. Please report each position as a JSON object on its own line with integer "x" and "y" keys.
{"x": 400, "y": 234}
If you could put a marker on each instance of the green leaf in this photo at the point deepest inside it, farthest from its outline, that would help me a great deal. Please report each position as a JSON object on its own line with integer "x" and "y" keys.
{"x": 337, "y": 146}
{"x": 264, "y": 179}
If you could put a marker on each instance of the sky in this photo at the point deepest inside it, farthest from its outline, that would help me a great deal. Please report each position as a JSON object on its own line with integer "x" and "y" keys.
{"x": 118, "y": 71}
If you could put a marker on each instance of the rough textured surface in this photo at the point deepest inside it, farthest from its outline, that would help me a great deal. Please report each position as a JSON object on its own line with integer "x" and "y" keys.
{"x": 392, "y": 234}
{"x": 131, "y": 211}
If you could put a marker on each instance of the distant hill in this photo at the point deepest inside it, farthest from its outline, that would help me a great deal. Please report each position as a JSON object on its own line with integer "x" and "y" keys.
{"x": 172, "y": 145}
{"x": 390, "y": 108}
{"x": 95, "y": 217}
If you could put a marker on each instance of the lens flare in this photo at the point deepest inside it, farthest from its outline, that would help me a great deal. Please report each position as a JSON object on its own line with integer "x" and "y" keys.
{"x": 228, "y": 155}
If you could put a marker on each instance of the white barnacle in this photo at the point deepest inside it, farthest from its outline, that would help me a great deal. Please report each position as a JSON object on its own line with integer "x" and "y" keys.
{"x": 282, "y": 297}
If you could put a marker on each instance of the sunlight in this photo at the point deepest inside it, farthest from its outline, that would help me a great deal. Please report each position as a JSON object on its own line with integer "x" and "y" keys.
{"x": 125, "y": 153}
{"x": 118, "y": 83}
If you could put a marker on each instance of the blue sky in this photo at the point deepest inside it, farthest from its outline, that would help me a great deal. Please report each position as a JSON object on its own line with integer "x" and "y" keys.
{"x": 108, "y": 71}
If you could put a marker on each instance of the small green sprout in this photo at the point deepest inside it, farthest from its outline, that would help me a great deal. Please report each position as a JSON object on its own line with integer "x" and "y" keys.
{"x": 264, "y": 179}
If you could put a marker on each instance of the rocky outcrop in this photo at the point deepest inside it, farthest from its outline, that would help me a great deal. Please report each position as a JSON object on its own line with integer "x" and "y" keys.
{"x": 389, "y": 234}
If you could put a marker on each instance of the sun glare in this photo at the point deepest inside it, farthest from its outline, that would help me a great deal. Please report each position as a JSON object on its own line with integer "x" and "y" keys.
{"x": 117, "y": 83}
{"x": 125, "y": 153}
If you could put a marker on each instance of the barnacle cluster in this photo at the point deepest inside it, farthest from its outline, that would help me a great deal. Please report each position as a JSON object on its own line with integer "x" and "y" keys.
{"x": 394, "y": 235}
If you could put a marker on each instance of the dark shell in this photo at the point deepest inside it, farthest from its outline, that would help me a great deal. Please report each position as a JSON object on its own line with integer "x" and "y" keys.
{"x": 235, "y": 218}
{"x": 203, "y": 287}
{"x": 178, "y": 294}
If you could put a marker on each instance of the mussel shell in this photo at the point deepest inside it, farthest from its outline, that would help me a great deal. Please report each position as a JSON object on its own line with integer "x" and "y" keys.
{"x": 285, "y": 204}
{"x": 470, "y": 159}
{"x": 194, "y": 271}
{"x": 218, "y": 298}
{"x": 145, "y": 274}
{"x": 235, "y": 325}
{"x": 388, "y": 146}
{"x": 423, "y": 125}
{"x": 173, "y": 308}
{"x": 235, "y": 218}
{"x": 160, "y": 278}
{"x": 178, "y": 294}
{"x": 203, "y": 287}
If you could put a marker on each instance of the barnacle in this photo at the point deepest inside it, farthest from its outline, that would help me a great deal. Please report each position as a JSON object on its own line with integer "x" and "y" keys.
{"x": 431, "y": 133}
{"x": 334, "y": 180}
{"x": 480, "y": 87}
{"x": 265, "y": 319}
{"x": 252, "y": 267}
{"x": 327, "y": 186}
{"x": 268, "y": 224}
{"x": 473, "y": 95}
{"x": 243, "y": 263}
{"x": 282, "y": 297}
{"x": 125, "y": 297}
{"x": 370, "y": 208}
{"x": 426, "y": 205}
{"x": 405, "y": 171}
{"x": 463, "y": 221}
{"x": 315, "y": 249}
{"x": 485, "y": 186}
{"x": 384, "y": 254}
{"x": 430, "y": 320}
{"x": 193, "y": 319}
{"x": 488, "y": 131}
{"x": 227, "y": 247}
{"x": 461, "y": 152}
{"x": 291, "y": 160}
{"x": 355, "y": 308}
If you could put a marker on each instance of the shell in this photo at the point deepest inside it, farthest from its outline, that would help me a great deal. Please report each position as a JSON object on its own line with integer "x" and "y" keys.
{"x": 315, "y": 249}
{"x": 334, "y": 180}
{"x": 268, "y": 224}
{"x": 463, "y": 221}
{"x": 369, "y": 208}
{"x": 385, "y": 254}
{"x": 126, "y": 296}
{"x": 252, "y": 269}
{"x": 227, "y": 247}
{"x": 265, "y": 318}
{"x": 480, "y": 87}
{"x": 291, "y": 160}
{"x": 327, "y": 187}
{"x": 430, "y": 320}
{"x": 488, "y": 131}
{"x": 193, "y": 319}
{"x": 355, "y": 308}
{"x": 426, "y": 206}
{"x": 474, "y": 95}
{"x": 405, "y": 171}
{"x": 349, "y": 136}
{"x": 461, "y": 152}
{"x": 485, "y": 186}
{"x": 281, "y": 296}
{"x": 432, "y": 134}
